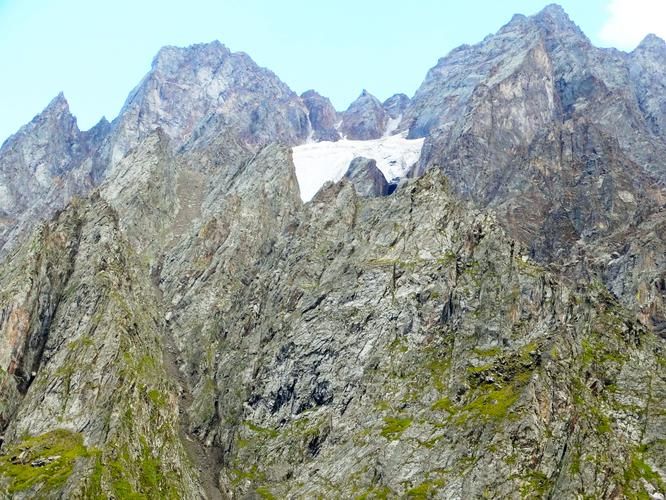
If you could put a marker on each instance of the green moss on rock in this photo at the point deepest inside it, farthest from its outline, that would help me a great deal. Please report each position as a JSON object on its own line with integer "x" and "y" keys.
{"x": 394, "y": 427}
{"x": 57, "y": 452}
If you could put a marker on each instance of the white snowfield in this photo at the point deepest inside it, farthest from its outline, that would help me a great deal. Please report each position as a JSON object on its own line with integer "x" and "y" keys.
{"x": 319, "y": 162}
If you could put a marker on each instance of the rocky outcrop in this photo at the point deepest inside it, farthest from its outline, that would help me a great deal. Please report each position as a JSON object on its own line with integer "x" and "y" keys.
{"x": 559, "y": 137}
{"x": 143, "y": 189}
{"x": 396, "y": 106}
{"x": 323, "y": 117}
{"x": 647, "y": 67}
{"x": 408, "y": 329}
{"x": 194, "y": 95}
{"x": 364, "y": 119}
{"x": 43, "y": 166}
{"x": 95, "y": 414}
{"x": 367, "y": 179}
{"x": 495, "y": 327}
{"x": 204, "y": 90}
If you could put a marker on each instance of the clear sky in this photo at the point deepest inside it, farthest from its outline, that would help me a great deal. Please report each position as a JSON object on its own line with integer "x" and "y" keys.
{"x": 96, "y": 51}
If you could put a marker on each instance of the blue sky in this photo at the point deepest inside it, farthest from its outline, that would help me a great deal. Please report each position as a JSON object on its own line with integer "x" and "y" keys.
{"x": 97, "y": 51}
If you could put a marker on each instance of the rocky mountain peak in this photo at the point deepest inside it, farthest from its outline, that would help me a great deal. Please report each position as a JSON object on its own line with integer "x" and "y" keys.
{"x": 396, "y": 105}
{"x": 58, "y": 104}
{"x": 323, "y": 117}
{"x": 201, "y": 90}
{"x": 554, "y": 11}
{"x": 365, "y": 118}
{"x": 364, "y": 98}
{"x": 46, "y": 129}
{"x": 192, "y": 323}
{"x": 652, "y": 43}
{"x": 554, "y": 19}
{"x": 170, "y": 58}
{"x": 647, "y": 70}
{"x": 55, "y": 114}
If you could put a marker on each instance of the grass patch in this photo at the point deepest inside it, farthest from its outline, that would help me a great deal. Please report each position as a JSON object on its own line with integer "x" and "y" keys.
{"x": 394, "y": 427}
{"x": 426, "y": 489}
{"x": 16, "y": 464}
{"x": 265, "y": 493}
{"x": 536, "y": 485}
{"x": 638, "y": 469}
{"x": 157, "y": 397}
{"x": 264, "y": 431}
{"x": 488, "y": 353}
{"x": 376, "y": 493}
{"x": 492, "y": 403}
{"x": 444, "y": 404}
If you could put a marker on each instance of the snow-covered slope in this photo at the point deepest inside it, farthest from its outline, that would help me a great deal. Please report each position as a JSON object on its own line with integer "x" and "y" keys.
{"x": 324, "y": 161}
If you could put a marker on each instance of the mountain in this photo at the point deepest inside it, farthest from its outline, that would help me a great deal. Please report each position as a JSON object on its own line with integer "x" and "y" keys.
{"x": 561, "y": 139}
{"x": 323, "y": 117}
{"x": 193, "y": 95}
{"x": 469, "y": 302}
{"x": 43, "y": 166}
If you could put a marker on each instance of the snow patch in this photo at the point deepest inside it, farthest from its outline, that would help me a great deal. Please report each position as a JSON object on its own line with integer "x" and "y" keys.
{"x": 392, "y": 125}
{"x": 319, "y": 162}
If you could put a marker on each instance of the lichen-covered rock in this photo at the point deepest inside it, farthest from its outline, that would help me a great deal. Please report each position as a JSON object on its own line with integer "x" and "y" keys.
{"x": 405, "y": 345}
{"x": 188, "y": 328}
{"x": 81, "y": 343}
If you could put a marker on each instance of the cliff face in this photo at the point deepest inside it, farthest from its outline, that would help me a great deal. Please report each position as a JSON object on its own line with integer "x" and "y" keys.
{"x": 88, "y": 408}
{"x": 42, "y": 167}
{"x": 183, "y": 325}
{"x": 193, "y": 95}
{"x": 205, "y": 88}
{"x": 562, "y": 140}
{"x": 372, "y": 334}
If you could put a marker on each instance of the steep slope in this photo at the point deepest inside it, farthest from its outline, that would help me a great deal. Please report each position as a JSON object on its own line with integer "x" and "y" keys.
{"x": 89, "y": 408}
{"x": 143, "y": 189}
{"x": 364, "y": 119}
{"x": 328, "y": 346}
{"x": 193, "y": 329}
{"x": 323, "y": 117}
{"x": 194, "y": 95}
{"x": 647, "y": 66}
{"x": 561, "y": 138}
{"x": 43, "y": 165}
{"x": 205, "y": 89}
{"x": 405, "y": 346}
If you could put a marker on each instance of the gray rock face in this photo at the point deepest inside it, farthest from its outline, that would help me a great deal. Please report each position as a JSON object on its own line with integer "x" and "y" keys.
{"x": 647, "y": 66}
{"x": 396, "y": 105}
{"x": 81, "y": 347}
{"x": 373, "y": 333}
{"x": 323, "y": 117}
{"x": 195, "y": 95}
{"x": 191, "y": 329}
{"x": 364, "y": 119}
{"x": 561, "y": 138}
{"x": 43, "y": 165}
{"x": 367, "y": 179}
{"x": 205, "y": 89}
